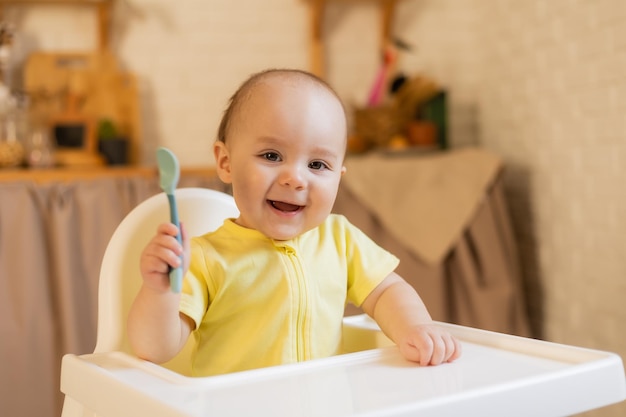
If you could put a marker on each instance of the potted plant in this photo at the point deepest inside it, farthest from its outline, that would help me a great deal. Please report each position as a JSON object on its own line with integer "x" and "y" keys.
{"x": 111, "y": 144}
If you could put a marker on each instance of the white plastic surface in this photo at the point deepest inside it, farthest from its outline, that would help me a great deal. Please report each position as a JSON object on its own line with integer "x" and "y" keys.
{"x": 497, "y": 375}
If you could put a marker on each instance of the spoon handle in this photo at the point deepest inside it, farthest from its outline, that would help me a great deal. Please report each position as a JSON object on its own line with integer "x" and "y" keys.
{"x": 176, "y": 274}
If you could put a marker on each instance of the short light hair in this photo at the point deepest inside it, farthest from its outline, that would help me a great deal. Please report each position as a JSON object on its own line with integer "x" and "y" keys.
{"x": 246, "y": 89}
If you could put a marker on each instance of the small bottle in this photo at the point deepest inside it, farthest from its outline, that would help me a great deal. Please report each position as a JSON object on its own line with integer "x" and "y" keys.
{"x": 39, "y": 148}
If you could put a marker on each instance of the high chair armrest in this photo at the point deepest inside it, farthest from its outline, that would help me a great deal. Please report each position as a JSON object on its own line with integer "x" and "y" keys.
{"x": 497, "y": 375}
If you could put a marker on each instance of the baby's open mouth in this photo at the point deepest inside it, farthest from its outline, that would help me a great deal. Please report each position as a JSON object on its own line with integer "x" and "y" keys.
{"x": 287, "y": 207}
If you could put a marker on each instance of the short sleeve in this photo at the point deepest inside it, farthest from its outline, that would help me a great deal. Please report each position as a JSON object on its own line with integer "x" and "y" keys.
{"x": 194, "y": 300}
{"x": 368, "y": 264}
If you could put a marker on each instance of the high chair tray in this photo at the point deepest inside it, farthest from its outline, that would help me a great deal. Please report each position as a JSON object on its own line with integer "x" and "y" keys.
{"x": 497, "y": 375}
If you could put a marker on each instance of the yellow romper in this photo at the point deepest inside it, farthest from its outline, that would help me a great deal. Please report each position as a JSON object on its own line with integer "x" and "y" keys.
{"x": 259, "y": 302}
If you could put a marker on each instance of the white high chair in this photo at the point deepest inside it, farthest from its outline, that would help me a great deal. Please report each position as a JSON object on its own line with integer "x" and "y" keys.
{"x": 497, "y": 375}
{"x": 201, "y": 210}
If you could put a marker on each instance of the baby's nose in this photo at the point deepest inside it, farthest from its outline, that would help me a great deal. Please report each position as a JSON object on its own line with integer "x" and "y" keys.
{"x": 294, "y": 177}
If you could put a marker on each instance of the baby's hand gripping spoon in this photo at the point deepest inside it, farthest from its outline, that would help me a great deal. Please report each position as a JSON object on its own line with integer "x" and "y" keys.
{"x": 169, "y": 172}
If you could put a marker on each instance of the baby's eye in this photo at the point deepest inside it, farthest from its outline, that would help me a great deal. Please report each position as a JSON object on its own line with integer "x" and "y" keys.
{"x": 318, "y": 165}
{"x": 271, "y": 156}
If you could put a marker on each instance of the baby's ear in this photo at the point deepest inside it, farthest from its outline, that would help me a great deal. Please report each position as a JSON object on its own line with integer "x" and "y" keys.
{"x": 343, "y": 170}
{"x": 222, "y": 161}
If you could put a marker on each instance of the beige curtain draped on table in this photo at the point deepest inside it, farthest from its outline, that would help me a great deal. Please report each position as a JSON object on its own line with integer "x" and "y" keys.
{"x": 53, "y": 237}
{"x": 477, "y": 284}
{"x": 445, "y": 216}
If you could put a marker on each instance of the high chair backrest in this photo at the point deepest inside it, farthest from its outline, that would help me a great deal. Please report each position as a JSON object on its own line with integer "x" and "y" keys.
{"x": 200, "y": 210}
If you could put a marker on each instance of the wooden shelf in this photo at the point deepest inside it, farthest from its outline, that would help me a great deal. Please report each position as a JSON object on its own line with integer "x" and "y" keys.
{"x": 317, "y": 12}
{"x": 54, "y": 1}
{"x": 43, "y": 176}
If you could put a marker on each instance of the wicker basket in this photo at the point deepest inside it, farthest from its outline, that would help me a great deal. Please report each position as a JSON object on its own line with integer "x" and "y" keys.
{"x": 376, "y": 125}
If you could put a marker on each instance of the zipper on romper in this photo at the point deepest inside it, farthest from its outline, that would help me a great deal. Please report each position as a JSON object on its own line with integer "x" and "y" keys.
{"x": 298, "y": 281}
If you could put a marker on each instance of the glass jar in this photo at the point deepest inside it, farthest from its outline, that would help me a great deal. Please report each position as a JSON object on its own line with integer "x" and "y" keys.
{"x": 39, "y": 147}
{"x": 12, "y": 132}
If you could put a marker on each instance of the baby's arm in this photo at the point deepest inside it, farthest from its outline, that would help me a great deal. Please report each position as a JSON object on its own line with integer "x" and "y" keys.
{"x": 403, "y": 317}
{"x": 156, "y": 329}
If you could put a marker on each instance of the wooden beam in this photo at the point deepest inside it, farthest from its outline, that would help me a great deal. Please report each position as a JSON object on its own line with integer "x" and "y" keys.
{"x": 387, "y": 8}
{"x": 104, "y": 25}
{"x": 317, "y": 52}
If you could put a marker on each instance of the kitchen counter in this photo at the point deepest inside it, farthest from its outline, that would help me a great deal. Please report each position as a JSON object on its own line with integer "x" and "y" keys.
{"x": 42, "y": 176}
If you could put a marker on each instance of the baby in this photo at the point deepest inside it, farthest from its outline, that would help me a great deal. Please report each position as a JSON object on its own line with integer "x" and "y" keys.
{"x": 270, "y": 286}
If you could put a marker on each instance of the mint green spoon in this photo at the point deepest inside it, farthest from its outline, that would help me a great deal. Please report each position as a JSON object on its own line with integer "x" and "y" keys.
{"x": 169, "y": 173}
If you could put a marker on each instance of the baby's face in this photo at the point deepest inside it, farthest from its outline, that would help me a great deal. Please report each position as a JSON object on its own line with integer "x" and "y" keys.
{"x": 284, "y": 157}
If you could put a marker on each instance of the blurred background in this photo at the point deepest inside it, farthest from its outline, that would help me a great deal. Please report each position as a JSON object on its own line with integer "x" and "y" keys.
{"x": 540, "y": 83}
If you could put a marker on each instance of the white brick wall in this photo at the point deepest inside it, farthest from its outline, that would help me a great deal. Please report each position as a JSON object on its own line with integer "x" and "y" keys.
{"x": 553, "y": 103}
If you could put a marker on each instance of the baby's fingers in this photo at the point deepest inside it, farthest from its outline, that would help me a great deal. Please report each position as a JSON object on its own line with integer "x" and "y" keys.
{"x": 432, "y": 346}
{"x": 420, "y": 347}
{"x": 453, "y": 347}
{"x": 165, "y": 248}
{"x": 445, "y": 348}
{"x": 169, "y": 229}
{"x": 439, "y": 351}
{"x": 162, "y": 251}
